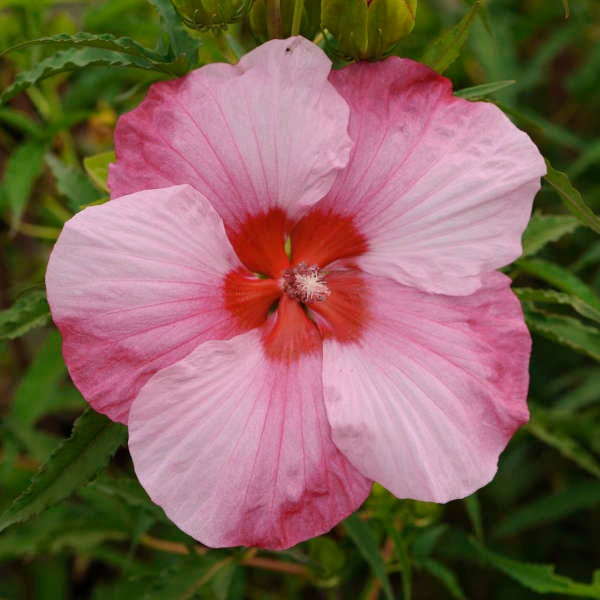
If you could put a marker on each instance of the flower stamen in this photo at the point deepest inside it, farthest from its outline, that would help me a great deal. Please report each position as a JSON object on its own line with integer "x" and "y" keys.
{"x": 305, "y": 283}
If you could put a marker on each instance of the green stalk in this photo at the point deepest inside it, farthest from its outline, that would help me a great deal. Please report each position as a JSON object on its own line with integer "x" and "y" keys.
{"x": 274, "y": 19}
{"x": 297, "y": 17}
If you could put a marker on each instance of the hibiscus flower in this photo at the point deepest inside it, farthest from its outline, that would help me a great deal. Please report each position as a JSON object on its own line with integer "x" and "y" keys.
{"x": 293, "y": 292}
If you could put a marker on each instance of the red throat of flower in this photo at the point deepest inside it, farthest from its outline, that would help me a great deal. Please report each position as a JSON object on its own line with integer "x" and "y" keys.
{"x": 310, "y": 302}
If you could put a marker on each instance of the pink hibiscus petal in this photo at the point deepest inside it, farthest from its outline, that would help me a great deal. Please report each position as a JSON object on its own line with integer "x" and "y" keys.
{"x": 134, "y": 285}
{"x": 430, "y": 395}
{"x": 270, "y": 132}
{"x": 237, "y": 449}
{"x": 441, "y": 188}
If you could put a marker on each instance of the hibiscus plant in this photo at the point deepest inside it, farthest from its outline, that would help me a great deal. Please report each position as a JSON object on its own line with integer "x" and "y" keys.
{"x": 281, "y": 275}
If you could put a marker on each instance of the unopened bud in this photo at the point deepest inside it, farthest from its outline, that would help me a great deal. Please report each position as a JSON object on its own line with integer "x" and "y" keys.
{"x": 208, "y": 14}
{"x": 367, "y": 29}
{"x": 309, "y": 26}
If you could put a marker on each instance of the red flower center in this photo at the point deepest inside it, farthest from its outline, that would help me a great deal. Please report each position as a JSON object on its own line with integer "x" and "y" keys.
{"x": 313, "y": 298}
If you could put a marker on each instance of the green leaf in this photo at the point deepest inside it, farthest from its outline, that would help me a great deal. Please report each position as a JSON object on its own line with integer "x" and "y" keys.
{"x": 561, "y": 278}
{"x": 83, "y": 39}
{"x": 182, "y": 44}
{"x": 28, "y": 312}
{"x": 24, "y": 166}
{"x": 543, "y": 229}
{"x": 21, "y": 121}
{"x": 477, "y": 92}
{"x": 583, "y": 395}
{"x": 588, "y": 259}
{"x": 550, "y": 508}
{"x": 190, "y": 576}
{"x": 544, "y": 127}
{"x": 537, "y": 577}
{"x": 572, "y": 198}
{"x": 474, "y": 512}
{"x": 540, "y": 427}
{"x": 565, "y": 330}
{"x": 443, "y": 574}
{"x": 401, "y": 552}
{"x": 554, "y": 297}
{"x": 74, "y": 60}
{"x": 38, "y": 387}
{"x": 97, "y": 168}
{"x": 446, "y": 49}
{"x": 589, "y": 157}
{"x": 427, "y": 540}
{"x": 93, "y": 441}
{"x": 363, "y": 537}
{"x": 72, "y": 184}
{"x": 129, "y": 491}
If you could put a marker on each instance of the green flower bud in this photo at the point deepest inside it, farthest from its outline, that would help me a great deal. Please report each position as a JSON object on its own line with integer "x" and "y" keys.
{"x": 208, "y": 14}
{"x": 367, "y": 29}
{"x": 310, "y": 25}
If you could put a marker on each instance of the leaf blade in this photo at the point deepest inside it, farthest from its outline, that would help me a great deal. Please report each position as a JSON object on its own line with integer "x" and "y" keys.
{"x": 571, "y": 198}
{"x": 477, "y": 92}
{"x": 96, "y": 167}
{"x": 83, "y": 39}
{"x": 73, "y": 60}
{"x": 79, "y": 458}
{"x": 543, "y": 229}
{"x": 363, "y": 537}
{"x": 446, "y": 48}
{"x": 29, "y": 311}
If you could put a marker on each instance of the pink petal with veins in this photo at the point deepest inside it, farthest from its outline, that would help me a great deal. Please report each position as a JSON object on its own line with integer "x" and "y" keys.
{"x": 236, "y": 447}
{"x": 270, "y": 132}
{"x": 428, "y": 397}
{"x": 441, "y": 188}
{"x": 134, "y": 285}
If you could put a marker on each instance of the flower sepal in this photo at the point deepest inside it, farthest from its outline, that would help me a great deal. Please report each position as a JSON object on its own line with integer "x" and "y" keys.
{"x": 211, "y": 14}
{"x": 309, "y": 25}
{"x": 367, "y": 29}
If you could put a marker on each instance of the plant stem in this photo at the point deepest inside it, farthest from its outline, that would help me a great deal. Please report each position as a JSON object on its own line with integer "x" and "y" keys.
{"x": 274, "y": 19}
{"x": 223, "y": 45}
{"x": 249, "y": 560}
{"x": 297, "y": 17}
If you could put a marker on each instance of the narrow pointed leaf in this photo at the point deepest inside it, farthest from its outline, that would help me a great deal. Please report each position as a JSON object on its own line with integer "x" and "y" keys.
{"x": 566, "y": 331}
{"x": 446, "y": 49}
{"x": 543, "y": 229}
{"x": 566, "y": 445}
{"x": 83, "y": 39}
{"x": 474, "y": 512}
{"x": 538, "y": 577}
{"x": 549, "y": 509}
{"x": 445, "y": 576}
{"x": 363, "y": 537}
{"x": 39, "y": 386}
{"x": 477, "y": 92}
{"x": 93, "y": 441}
{"x": 28, "y": 312}
{"x": 561, "y": 278}
{"x": 182, "y": 44}
{"x": 553, "y": 297}
{"x": 24, "y": 166}
{"x": 72, "y": 183}
{"x": 572, "y": 198}
{"x": 74, "y": 60}
{"x": 97, "y": 168}
{"x": 129, "y": 491}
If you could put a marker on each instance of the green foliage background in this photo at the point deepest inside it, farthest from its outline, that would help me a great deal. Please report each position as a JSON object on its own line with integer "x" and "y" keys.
{"x": 74, "y": 521}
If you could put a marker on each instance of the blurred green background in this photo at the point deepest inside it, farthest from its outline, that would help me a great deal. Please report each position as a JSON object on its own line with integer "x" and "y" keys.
{"x": 106, "y": 540}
